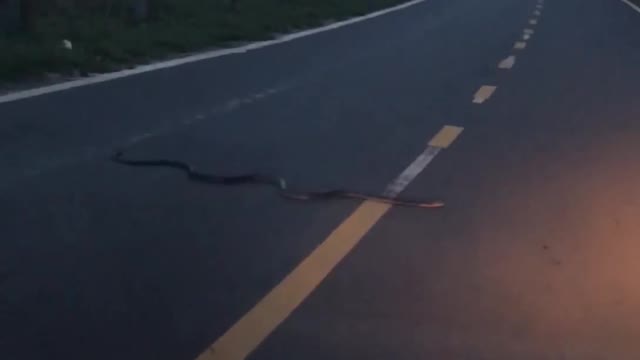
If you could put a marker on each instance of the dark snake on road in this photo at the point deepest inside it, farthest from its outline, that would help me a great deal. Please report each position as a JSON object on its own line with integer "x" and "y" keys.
{"x": 277, "y": 182}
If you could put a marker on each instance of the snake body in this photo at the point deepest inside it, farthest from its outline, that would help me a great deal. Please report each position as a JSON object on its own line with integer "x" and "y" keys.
{"x": 277, "y": 182}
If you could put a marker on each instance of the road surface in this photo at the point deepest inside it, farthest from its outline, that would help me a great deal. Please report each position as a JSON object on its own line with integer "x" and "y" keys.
{"x": 535, "y": 255}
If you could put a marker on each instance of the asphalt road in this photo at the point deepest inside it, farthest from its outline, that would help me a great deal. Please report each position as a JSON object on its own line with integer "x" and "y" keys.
{"x": 534, "y": 257}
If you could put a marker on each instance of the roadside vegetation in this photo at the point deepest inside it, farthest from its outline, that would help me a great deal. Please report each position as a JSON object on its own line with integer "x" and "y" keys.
{"x": 105, "y": 35}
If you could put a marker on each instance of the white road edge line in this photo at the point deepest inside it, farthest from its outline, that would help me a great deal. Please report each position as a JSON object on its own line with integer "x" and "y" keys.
{"x": 633, "y": 6}
{"x": 410, "y": 173}
{"x": 19, "y": 95}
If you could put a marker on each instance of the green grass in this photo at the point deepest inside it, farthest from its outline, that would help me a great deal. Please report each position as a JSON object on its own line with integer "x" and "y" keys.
{"x": 104, "y": 39}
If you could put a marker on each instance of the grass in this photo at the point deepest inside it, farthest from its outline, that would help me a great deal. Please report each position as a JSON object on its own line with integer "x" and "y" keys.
{"x": 105, "y": 39}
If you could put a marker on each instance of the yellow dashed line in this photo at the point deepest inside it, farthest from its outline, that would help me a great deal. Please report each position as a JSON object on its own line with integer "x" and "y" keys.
{"x": 445, "y": 137}
{"x": 483, "y": 94}
{"x": 519, "y": 45}
{"x": 255, "y": 326}
{"x": 245, "y": 336}
{"x": 507, "y": 63}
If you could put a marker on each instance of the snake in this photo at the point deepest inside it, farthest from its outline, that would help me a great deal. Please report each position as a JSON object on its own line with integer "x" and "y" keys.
{"x": 279, "y": 183}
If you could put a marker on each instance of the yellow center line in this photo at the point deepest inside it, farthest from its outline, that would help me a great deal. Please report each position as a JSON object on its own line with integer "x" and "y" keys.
{"x": 519, "y": 45}
{"x": 445, "y": 137}
{"x": 483, "y": 94}
{"x": 256, "y": 325}
{"x": 243, "y": 337}
{"x": 507, "y": 63}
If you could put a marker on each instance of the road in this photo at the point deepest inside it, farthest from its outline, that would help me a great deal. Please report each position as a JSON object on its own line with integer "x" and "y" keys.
{"x": 533, "y": 257}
